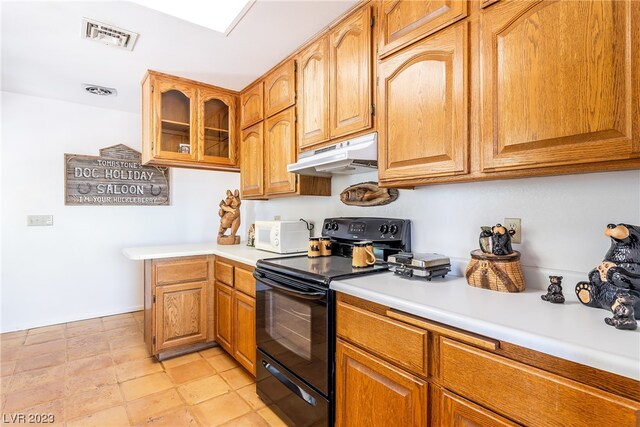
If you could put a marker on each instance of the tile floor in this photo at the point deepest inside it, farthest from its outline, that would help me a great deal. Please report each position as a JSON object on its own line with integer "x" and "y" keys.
{"x": 97, "y": 372}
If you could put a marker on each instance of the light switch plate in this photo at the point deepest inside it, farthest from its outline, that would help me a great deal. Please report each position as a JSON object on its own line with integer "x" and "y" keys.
{"x": 514, "y": 224}
{"x": 39, "y": 220}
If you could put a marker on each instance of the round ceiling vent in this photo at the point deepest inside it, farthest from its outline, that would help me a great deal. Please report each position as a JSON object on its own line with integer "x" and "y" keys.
{"x": 100, "y": 90}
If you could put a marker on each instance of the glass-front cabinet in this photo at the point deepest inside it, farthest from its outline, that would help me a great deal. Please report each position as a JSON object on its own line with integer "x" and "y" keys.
{"x": 188, "y": 124}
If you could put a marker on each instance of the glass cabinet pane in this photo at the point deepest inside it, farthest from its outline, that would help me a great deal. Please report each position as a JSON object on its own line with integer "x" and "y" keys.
{"x": 216, "y": 128}
{"x": 176, "y": 118}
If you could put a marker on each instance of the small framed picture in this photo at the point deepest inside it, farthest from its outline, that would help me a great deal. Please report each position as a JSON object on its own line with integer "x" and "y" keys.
{"x": 184, "y": 148}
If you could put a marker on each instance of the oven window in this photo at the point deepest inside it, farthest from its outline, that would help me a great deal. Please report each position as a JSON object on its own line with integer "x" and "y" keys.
{"x": 290, "y": 323}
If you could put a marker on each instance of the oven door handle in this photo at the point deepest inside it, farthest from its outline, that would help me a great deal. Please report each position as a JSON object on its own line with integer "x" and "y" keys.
{"x": 296, "y": 293}
{"x": 289, "y": 384}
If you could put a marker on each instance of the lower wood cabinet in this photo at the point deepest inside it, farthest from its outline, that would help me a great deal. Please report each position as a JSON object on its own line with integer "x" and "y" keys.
{"x": 244, "y": 333}
{"x": 223, "y": 311}
{"x": 459, "y": 412}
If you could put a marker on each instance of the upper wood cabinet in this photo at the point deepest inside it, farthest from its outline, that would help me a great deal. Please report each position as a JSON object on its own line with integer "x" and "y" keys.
{"x": 423, "y": 98}
{"x": 280, "y": 150}
{"x": 313, "y": 94}
{"x": 252, "y": 162}
{"x": 350, "y": 75}
{"x": 251, "y": 108}
{"x": 280, "y": 89}
{"x": 403, "y": 22}
{"x": 559, "y": 83}
{"x": 187, "y": 124}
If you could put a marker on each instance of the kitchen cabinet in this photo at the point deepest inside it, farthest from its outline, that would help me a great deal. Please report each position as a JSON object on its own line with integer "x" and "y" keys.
{"x": 251, "y": 108}
{"x": 280, "y": 89}
{"x": 456, "y": 411}
{"x": 280, "y": 150}
{"x": 188, "y": 124}
{"x": 403, "y": 22}
{"x": 423, "y": 119}
{"x": 235, "y": 311}
{"x": 558, "y": 97}
{"x": 252, "y": 162}
{"x": 178, "y": 304}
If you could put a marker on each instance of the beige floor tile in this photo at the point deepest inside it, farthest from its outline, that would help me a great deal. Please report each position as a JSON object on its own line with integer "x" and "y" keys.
{"x": 272, "y": 419}
{"x": 110, "y": 323}
{"x": 203, "y": 389}
{"x": 53, "y": 412}
{"x": 37, "y": 377}
{"x": 223, "y": 362}
{"x": 84, "y": 323}
{"x": 88, "y": 402}
{"x": 9, "y": 354}
{"x": 40, "y": 349}
{"x": 86, "y": 340}
{"x": 13, "y": 342}
{"x": 251, "y": 419}
{"x": 116, "y": 417}
{"x": 181, "y": 417}
{"x": 250, "y": 396}
{"x": 237, "y": 377}
{"x": 180, "y": 360}
{"x": 38, "y": 362}
{"x": 137, "y": 368}
{"x": 31, "y": 397}
{"x": 35, "y": 331}
{"x": 129, "y": 354}
{"x": 13, "y": 335}
{"x": 126, "y": 341}
{"x": 90, "y": 380}
{"x": 87, "y": 364}
{"x": 190, "y": 371}
{"x": 210, "y": 352}
{"x": 5, "y": 385}
{"x": 120, "y": 332}
{"x": 7, "y": 368}
{"x": 100, "y": 347}
{"x": 57, "y": 334}
{"x": 143, "y": 410}
{"x": 89, "y": 329}
{"x": 220, "y": 409}
{"x": 144, "y": 386}
{"x": 117, "y": 317}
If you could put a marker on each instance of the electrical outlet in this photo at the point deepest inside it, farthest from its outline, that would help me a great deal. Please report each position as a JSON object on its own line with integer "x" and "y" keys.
{"x": 276, "y": 217}
{"x": 514, "y": 224}
{"x": 39, "y": 220}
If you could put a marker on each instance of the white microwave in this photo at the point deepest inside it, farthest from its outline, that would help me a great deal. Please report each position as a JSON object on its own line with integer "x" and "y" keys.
{"x": 282, "y": 237}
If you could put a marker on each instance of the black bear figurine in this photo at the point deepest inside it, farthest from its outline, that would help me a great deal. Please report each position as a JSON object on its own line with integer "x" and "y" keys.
{"x": 501, "y": 240}
{"x": 619, "y": 272}
{"x": 554, "y": 291}
{"x": 623, "y": 313}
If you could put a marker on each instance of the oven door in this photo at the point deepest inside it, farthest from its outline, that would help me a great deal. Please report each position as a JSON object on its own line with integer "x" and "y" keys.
{"x": 292, "y": 326}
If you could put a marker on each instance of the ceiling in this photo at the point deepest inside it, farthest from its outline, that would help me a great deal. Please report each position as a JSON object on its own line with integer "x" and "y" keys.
{"x": 44, "y": 55}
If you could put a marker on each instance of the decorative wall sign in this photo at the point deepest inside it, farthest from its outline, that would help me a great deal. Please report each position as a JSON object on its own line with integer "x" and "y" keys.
{"x": 115, "y": 178}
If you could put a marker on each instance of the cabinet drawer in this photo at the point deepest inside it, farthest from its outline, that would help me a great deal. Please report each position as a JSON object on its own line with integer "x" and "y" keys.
{"x": 224, "y": 272}
{"x": 529, "y": 395}
{"x": 396, "y": 342}
{"x": 244, "y": 281}
{"x": 182, "y": 271}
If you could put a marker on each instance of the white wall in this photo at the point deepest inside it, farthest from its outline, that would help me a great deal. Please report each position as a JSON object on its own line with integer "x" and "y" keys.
{"x": 75, "y": 269}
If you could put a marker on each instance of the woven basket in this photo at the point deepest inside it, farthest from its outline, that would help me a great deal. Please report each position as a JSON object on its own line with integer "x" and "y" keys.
{"x": 495, "y": 272}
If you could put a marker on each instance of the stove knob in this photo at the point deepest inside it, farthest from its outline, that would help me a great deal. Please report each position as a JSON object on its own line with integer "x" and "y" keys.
{"x": 327, "y": 225}
{"x": 383, "y": 228}
{"x": 334, "y": 226}
{"x": 393, "y": 229}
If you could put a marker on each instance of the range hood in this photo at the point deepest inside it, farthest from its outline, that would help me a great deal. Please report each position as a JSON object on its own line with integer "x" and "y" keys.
{"x": 356, "y": 155}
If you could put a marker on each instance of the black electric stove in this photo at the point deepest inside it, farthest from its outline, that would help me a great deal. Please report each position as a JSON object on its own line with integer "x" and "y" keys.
{"x": 295, "y": 315}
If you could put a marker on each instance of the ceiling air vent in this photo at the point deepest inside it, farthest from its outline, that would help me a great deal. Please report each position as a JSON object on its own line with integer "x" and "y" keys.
{"x": 108, "y": 34}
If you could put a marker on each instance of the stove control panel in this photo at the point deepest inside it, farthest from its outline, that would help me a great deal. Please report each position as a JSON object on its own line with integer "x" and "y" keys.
{"x": 376, "y": 229}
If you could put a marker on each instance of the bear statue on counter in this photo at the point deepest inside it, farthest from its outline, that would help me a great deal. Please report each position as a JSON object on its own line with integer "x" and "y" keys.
{"x": 618, "y": 274}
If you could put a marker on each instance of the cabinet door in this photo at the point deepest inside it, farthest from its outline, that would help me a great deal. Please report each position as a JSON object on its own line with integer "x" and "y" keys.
{"x": 423, "y": 98}
{"x": 280, "y": 89}
{"x": 458, "y": 412}
{"x": 350, "y": 75}
{"x": 244, "y": 335}
{"x": 405, "y": 21}
{"x": 223, "y": 316}
{"x": 252, "y": 161}
{"x": 175, "y": 112}
{"x": 280, "y": 150}
{"x": 251, "y": 111}
{"x": 313, "y": 94}
{"x": 371, "y": 392}
{"x": 181, "y": 314}
{"x": 216, "y": 128}
{"x": 559, "y": 83}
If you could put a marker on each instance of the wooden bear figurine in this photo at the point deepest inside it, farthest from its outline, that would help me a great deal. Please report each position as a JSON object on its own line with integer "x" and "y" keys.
{"x": 554, "y": 291}
{"x": 229, "y": 214}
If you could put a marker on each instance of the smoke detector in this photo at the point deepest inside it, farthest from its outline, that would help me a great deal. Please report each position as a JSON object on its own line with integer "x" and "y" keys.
{"x": 108, "y": 34}
{"x": 100, "y": 90}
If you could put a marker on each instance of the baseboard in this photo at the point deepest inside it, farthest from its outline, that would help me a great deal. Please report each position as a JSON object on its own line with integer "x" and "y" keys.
{"x": 66, "y": 319}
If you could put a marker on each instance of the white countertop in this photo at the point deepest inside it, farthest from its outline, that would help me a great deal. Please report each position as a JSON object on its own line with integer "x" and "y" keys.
{"x": 241, "y": 253}
{"x": 570, "y": 331}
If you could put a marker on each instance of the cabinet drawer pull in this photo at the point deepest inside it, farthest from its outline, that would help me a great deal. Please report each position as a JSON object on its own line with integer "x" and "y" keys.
{"x": 469, "y": 338}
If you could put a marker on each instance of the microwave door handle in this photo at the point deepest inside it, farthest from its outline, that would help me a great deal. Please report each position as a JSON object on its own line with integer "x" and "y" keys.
{"x": 287, "y": 290}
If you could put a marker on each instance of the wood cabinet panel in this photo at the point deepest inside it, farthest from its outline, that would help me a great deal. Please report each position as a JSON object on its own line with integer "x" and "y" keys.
{"x": 181, "y": 316}
{"x": 181, "y": 270}
{"x": 280, "y": 89}
{"x": 313, "y": 93}
{"x": 423, "y": 98}
{"x": 252, "y": 161}
{"x": 244, "y": 281}
{"x": 224, "y": 316}
{"x": 459, "y": 412}
{"x": 224, "y": 272}
{"x": 217, "y": 128}
{"x": 371, "y": 392}
{"x": 350, "y": 75}
{"x": 557, "y": 83}
{"x": 526, "y": 394}
{"x": 251, "y": 105}
{"x": 280, "y": 150}
{"x": 244, "y": 335}
{"x": 403, "y": 22}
